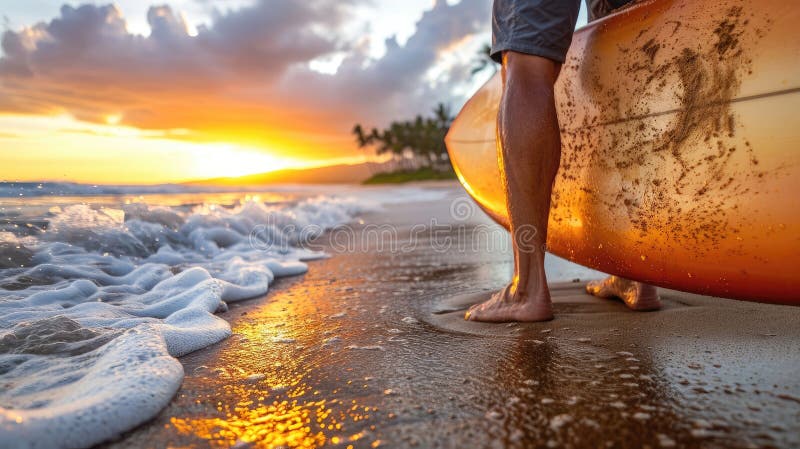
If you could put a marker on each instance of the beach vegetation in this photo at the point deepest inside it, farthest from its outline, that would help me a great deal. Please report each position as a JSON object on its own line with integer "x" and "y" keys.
{"x": 411, "y": 150}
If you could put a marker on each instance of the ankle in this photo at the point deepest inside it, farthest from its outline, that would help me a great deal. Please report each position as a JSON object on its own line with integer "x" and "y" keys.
{"x": 537, "y": 294}
{"x": 534, "y": 289}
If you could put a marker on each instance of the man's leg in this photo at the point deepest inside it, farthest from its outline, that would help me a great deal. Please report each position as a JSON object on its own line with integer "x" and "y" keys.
{"x": 529, "y": 150}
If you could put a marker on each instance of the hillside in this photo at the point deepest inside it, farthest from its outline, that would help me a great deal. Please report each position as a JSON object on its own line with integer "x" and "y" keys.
{"x": 333, "y": 174}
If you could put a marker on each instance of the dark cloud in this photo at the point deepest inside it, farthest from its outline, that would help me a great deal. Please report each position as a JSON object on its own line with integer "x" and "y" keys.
{"x": 245, "y": 74}
{"x": 394, "y": 85}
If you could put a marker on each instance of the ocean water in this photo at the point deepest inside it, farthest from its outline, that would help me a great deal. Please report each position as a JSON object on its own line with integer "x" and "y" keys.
{"x": 101, "y": 288}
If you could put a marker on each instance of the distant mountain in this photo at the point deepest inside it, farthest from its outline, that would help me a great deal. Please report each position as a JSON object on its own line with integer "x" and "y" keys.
{"x": 332, "y": 174}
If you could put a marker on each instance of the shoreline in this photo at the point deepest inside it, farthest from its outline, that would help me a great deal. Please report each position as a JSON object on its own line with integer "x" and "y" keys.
{"x": 365, "y": 349}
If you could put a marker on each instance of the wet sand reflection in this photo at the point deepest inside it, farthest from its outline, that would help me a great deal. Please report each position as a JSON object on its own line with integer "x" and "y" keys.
{"x": 354, "y": 354}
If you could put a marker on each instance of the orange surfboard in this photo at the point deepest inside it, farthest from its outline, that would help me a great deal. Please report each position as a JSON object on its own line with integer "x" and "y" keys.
{"x": 680, "y": 127}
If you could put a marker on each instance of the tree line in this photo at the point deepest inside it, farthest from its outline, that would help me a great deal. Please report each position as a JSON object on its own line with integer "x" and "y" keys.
{"x": 411, "y": 144}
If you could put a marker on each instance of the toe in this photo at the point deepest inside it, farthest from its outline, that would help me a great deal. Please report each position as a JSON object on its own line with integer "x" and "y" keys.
{"x": 470, "y": 315}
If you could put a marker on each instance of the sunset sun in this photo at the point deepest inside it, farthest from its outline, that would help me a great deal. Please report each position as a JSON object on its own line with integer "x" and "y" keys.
{"x": 226, "y": 160}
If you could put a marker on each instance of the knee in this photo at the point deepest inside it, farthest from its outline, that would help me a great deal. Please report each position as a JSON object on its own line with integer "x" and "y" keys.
{"x": 530, "y": 71}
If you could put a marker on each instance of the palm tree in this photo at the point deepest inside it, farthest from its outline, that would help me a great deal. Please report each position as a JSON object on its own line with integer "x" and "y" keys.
{"x": 398, "y": 142}
{"x": 365, "y": 140}
{"x": 361, "y": 138}
{"x": 411, "y": 143}
{"x": 418, "y": 140}
{"x": 483, "y": 60}
{"x": 443, "y": 115}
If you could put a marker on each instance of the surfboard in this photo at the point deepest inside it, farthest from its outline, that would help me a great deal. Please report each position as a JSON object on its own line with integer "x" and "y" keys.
{"x": 680, "y": 128}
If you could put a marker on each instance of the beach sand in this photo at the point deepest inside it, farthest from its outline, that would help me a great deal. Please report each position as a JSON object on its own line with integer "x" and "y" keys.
{"x": 370, "y": 349}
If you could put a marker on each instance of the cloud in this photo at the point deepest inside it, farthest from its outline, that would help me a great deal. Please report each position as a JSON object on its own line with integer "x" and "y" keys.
{"x": 395, "y": 84}
{"x": 245, "y": 76}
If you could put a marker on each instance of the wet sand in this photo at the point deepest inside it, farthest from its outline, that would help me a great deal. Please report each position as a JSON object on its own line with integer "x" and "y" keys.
{"x": 370, "y": 349}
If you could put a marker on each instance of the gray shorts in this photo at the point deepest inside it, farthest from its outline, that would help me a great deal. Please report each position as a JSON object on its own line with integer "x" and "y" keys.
{"x": 540, "y": 27}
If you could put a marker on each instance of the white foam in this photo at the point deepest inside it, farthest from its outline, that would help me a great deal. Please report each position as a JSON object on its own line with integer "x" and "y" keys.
{"x": 87, "y": 349}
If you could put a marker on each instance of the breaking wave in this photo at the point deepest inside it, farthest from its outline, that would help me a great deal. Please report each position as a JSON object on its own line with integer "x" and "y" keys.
{"x": 96, "y": 303}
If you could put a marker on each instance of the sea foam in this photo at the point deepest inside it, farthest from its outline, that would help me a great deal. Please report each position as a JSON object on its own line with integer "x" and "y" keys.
{"x": 96, "y": 303}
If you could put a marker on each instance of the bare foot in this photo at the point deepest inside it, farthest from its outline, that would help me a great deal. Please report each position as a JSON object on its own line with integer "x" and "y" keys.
{"x": 635, "y": 295}
{"x": 508, "y": 305}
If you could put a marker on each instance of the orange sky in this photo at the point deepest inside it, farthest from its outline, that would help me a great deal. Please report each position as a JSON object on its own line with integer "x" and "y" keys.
{"x": 179, "y": 92}
{"x": 87, "y": 95}
{"x": 60, "y": 148}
